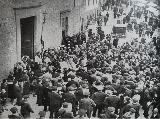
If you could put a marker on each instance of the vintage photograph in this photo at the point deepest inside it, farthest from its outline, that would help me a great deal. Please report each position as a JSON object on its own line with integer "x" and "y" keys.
{"x": 80, "y": 59}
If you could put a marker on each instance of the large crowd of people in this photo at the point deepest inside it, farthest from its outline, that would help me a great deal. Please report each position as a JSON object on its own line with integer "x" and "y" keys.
{"x": 90, "y": 77}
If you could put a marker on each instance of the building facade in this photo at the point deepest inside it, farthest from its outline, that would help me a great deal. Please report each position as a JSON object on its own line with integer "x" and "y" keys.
{"x": 27, "y": 26}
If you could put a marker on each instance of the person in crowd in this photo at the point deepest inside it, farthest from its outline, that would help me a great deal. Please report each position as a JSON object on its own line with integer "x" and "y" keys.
{"x": 14, "y": 114}
{"x": 42, "y": 115}
{"x": 3, "y": 96}
{"x": 87, "y": 104}
{"x": 55, "y": 102}
{"x": 45, "y": 97}
{"x": 25, "y": 107}
{"x": 98, "y": 98}
{"x": 39, "y": 88}
{"x": 18, "y": 92}
{"x": 80, "y": 68}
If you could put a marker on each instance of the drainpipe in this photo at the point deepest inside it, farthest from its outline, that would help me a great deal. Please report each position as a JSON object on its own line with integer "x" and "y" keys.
{"x": 16, "y": 36}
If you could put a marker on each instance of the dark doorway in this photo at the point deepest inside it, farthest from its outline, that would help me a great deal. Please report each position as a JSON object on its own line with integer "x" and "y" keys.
{"x": 82, "y": 24}
{"x": 27, "y": 36}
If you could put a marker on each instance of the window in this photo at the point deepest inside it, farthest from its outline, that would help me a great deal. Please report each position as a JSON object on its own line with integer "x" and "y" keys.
{"x": 88, "y": 2}
{"x": 93, "y": 2}
{"x": 96, "y": 1}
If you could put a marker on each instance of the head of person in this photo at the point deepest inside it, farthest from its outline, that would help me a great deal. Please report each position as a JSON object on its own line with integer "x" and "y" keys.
{"x": 14, "y": 110}
{"x": 42, "y": 113}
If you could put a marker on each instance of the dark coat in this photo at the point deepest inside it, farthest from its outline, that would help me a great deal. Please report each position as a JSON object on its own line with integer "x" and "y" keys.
{"x": 87, "y": 104}
{"x": 55, "y": 101}
{"x": 79, "y": 94}
{"x": 26, "y": 109}
{"x": 18, "y": 93}
{"x": 11, "y": 92}
{"x": 98, "y": 98}
{"x": 70, "y": 98}
{"x": 26, "y": 88}
{"x": 39, "y": 94}
{"x": 45, "y": 98}
{"x": 111, "y": 101}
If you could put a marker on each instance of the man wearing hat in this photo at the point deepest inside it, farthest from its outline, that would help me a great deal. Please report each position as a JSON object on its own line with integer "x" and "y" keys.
{"x": 39, "y": 88}
{"x": 42, "y": 114}
{"x": 14, "y": 115}
{"x": 87, "y": 104}
{"x": 25, "y": 107}
{"x": 112, "y": 101}
{"x": 135, "y": 105}
{"x": 55, "y": 101}
{"x": 73, "y": 83}
{"x": 98, "y": 98}
{"x": 70, "y": 97}
{"x": 18, "y": 92}
{"x": 45, "y": 98}
{"x": 64, "y": 112}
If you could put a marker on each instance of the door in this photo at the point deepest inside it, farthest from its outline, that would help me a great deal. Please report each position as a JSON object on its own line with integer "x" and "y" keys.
{"x": 64, "y": 26}
{"x": 82, "y": 24}
{"x": 27, "y": 36}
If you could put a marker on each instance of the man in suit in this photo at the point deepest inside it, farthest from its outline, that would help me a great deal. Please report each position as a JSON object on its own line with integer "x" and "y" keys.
{"x": 87, "y": 104}
{"x": 25, "y": 107}
{"x": 55, "y": 101}
{"x": 39, "y": 88}
{"x": 70, "y": 97}
{"x": 112, "y": 101}
{"x": 98, "y": 98}
{"x": 18, "y": 92}
{"x": 45, "y": 98}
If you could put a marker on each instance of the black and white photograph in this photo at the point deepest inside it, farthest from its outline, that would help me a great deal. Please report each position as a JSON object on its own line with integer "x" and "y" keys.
{"x": 80, "y": 59}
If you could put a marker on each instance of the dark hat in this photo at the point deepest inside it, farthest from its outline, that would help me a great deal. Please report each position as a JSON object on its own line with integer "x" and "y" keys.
{"x": 42, "y": 113}
{"x": 46, "y": 84}
{"x": 54, "y": 88}
{"x": 13, "y": 109}
{"x": 65, "y": 105}
{"x": 72, "y": 76}
{"x": 26, "y": 96}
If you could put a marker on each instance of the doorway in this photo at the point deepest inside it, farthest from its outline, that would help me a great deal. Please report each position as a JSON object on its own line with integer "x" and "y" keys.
{"x": 64, "y": 26}
{"x": 27, "y": 36}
